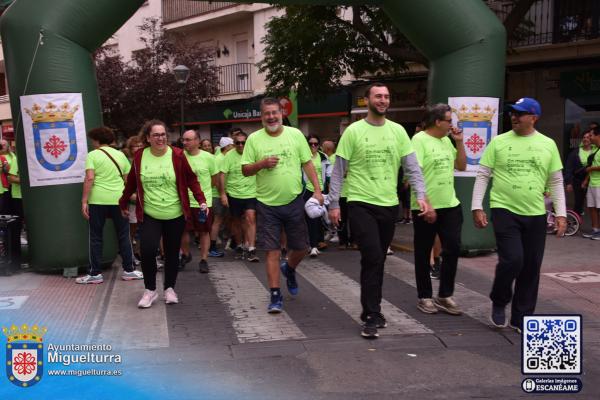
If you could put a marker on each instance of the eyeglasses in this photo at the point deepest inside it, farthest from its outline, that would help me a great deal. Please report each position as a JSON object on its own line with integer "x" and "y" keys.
{"x": 447, "y": 120}
{"x": 239, "y": 142}
{"x": 158, "y": 135}
{"x": 314, "y": 144}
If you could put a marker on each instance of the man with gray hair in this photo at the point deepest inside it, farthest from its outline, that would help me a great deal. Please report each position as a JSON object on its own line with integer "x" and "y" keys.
{"x": 370, "y": 153}
{"x": 438, "y": 158}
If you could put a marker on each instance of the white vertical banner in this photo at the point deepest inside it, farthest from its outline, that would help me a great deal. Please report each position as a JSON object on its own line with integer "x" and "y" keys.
{"x": 55, "y": 138}
{"x": 478, "y": 119}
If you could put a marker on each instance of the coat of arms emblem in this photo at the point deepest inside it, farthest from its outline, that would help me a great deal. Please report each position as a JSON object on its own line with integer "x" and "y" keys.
{"x": 24, "y": 354}
{"x": 476, "y": 124}
{"x": 54, "y": 135}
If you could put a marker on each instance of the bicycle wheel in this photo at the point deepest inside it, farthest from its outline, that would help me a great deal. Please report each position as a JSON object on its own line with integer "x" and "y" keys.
{"x": 572, "y": 223}
{"x": 550, "y": 225}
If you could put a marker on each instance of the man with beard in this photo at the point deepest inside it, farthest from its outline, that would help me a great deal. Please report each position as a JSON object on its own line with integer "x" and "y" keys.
{"x": 275, "y": 155}
{"x": 525, "y": 164}
{"x": 369, "y": 154}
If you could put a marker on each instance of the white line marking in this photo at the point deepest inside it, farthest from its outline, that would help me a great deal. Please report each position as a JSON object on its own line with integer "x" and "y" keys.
{"x": 345, "y": 292}
{"x": 247, "y": 300}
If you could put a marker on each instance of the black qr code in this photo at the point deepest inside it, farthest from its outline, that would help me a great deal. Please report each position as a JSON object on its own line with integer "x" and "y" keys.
{"x": 552, "y": 344}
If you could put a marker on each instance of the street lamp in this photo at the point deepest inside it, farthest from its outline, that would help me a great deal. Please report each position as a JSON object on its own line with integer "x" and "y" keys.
{"x": 182, "y": 73}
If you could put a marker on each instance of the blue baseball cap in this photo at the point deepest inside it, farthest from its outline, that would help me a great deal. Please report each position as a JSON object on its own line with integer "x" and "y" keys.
{"x": 528, "y": 105}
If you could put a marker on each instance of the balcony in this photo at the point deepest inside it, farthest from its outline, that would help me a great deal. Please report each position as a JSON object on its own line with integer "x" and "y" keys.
{"x": 555, "y": 21}
{"x": 176, "y": 10}
{"x": 235, "y": 78}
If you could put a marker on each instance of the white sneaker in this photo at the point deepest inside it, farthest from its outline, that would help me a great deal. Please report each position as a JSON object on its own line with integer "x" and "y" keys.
{"x": 335, "y": 238}
{"x": 171, "y": 296}
{"x": 89, "y": 279}
{"x": 390, "y": 251}
{"x": 148, "y": 298}
{"x": 314, "y": 252}
{"x": 131, "y": 276}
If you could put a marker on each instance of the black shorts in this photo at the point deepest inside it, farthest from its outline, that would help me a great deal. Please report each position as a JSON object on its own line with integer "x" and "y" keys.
{"x": 271, "y": 220}
{"x": 237, "y": 207}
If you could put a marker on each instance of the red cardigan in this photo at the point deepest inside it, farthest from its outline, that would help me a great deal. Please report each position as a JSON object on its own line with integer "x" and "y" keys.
{"x": 184, "y": 176}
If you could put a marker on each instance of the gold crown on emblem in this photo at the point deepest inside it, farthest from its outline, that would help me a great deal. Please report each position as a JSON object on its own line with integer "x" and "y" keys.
{"x": 475, "y": 113}
{"x": 24, "y": 332}
{"x": 52, "y": 112}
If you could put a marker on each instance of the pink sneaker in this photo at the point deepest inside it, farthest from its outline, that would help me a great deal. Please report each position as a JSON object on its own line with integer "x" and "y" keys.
{"x": 171, "y": 296}
{"x": 148, "y": 298}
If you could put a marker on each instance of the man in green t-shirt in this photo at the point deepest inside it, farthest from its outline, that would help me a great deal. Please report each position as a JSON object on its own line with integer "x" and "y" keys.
{"x": 239, "y": 194}
{"x": 276, "y": 155}
{"x": 524, "y": 164}
{"x": 438, "y": 158}
{"x": 203, "y": 165}
{"x": 369, "y": 154}
{"x": 220, "y": 212}
{"x": 105, "y": 171}
{"x": 593, "y": 188}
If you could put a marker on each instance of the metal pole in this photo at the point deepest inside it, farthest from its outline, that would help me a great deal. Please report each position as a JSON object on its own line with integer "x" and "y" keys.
{"x": 181, "y": 115}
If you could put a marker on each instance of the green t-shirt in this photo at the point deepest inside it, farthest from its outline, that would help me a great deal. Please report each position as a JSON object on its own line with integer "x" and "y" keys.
{"x": 282, "y": 184}
{"x": 521, "y": 167}
{"x": 332, "y": 159}
{"x": 595, "y": 175}
{"x": 436, "y": 159}
{"x": 236, "y": 184}
{"x": 316, "y": 160}
{"x": 203, "y": 165}
{"x": 108, "y": 183}
{"x": 374, "y": 155}
{"x": 584, "y": 154}
{"x": 14, "y": 170}
{"x": 218, "y": 160}
{"x": 161, "y": 200}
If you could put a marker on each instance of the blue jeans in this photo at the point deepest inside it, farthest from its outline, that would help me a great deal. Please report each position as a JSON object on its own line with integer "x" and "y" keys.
{"x": 98, "y": 215}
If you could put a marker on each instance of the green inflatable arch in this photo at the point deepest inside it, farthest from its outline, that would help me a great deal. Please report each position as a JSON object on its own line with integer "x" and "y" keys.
{"x": 48, "y": 46}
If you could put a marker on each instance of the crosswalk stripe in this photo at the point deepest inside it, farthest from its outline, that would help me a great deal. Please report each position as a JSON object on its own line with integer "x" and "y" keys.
{"x": 345, "y": 293}
{"x": 472, "y": 303}
{"x": 247, "y": 299}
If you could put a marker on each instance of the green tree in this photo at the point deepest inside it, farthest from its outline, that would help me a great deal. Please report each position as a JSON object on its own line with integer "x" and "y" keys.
{"x": 328, "y": 43}
{"x": 145, "y": 87}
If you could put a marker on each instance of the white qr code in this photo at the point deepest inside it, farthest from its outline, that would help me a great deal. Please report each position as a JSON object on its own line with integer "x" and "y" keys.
{"x": 551, "y": 344}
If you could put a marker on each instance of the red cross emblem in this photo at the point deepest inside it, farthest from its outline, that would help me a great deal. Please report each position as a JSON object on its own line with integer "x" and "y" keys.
{"x": 55, "y": 146}
{"x": 475, "y": 143}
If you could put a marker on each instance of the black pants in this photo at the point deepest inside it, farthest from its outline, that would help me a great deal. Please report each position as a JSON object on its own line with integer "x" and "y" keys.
{"x": 447, "y": 226}
{"x": 15, "y": 242}
{"x": 151, "y": 230}
{"x": 579, "y": 194}
{"x": 344, "y": 231}
{"x": 315, "y": 227}
{"x": 98, "y": 215}
{"x": 373, "y": 229}
{"x": 520, "y": 241}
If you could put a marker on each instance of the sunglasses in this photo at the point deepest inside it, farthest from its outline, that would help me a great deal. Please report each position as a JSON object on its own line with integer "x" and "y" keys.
{"x": 239, "y": 142}
{"x": 315, "y": 144}
{"x": 520, "y": 113}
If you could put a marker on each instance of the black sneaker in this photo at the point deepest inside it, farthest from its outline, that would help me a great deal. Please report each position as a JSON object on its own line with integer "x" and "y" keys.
{"x": 380, "y": 320}
{"x": 203, "y": 267}
{"x": 498, "y": 317}
{"x": 369, "y": 330}
{"x": 435, "y": 269}
{"x": 239, "y": 253}
{"x": 252, "y": 257}
{"x": 184, "y": 260}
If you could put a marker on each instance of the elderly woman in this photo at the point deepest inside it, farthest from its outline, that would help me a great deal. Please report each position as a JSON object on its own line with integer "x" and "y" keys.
{"x": 161, "y": 176}
{"x": 105, "y": 170}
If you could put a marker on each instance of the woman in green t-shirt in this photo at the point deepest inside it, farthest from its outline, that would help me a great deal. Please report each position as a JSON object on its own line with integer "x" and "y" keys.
{"x": 160, "y": 176}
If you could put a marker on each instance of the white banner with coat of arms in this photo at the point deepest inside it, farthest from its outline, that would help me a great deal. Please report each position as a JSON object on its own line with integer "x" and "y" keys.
{"x": 478, "y": 119}
{"x": 55, "y": 138}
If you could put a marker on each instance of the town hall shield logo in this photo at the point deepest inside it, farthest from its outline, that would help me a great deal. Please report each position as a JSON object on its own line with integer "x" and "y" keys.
{"x": 54, "y": 135}
{"x": 476, "y": 124}
{"x": 24, "y": 354}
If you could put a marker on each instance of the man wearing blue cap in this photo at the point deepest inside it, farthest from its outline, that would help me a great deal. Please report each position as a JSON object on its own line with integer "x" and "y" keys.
{"x": 525, "y": 164}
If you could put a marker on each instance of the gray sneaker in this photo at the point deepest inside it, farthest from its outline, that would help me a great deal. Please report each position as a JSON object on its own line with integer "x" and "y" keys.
{"x": 131, "y": 276}
{"x": 448, "y": 305}
{"x": 427, "y": 306}
{"x": 89, "y": 279}
{"x": 589, "y": 234}
{"x": 596, "y": 236}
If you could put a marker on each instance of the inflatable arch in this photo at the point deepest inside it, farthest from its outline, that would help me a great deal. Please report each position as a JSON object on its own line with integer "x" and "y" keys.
{"x": 48, "y": 46}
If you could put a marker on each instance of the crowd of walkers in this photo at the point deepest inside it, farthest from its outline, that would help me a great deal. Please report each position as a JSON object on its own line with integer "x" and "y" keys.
{"x": 288, "y": 194}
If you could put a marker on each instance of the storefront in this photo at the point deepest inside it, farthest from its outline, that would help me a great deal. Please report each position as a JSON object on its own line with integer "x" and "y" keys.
{"x": 322, "y": 118}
